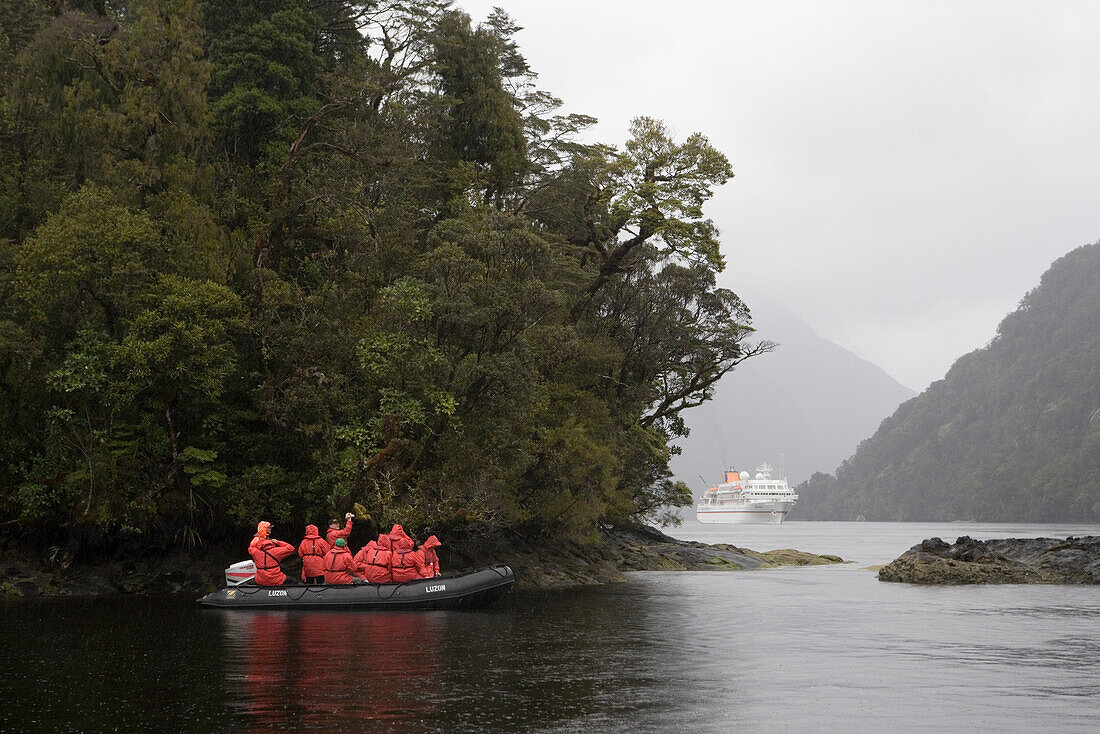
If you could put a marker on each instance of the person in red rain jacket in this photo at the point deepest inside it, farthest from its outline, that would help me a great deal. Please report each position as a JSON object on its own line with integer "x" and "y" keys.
{"x": 340, "y": 567}
{"x": 361, "y": 556}
{"x": 399, "y": 540}
{"x": 312, "y": 549}
{"x": 335, "y": 532}
{"x": 374, "y": 559}
{"x": 407, "y": 565}
{"x": 266, "y": 554}
{"x": 431, "y": 560}
{"x": 263, "y": 531}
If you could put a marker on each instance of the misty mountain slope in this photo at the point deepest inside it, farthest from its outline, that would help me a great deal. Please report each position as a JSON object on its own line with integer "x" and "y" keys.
{"x": 810, "y": 400}
{"x": 1012, "y": 433}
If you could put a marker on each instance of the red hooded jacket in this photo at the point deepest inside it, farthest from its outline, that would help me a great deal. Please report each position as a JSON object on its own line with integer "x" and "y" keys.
{"x": 332, "y": 534}
{"x": 266, "y": 554}
{"x": 399, "y": 540}
{"x": 407, "y": 565}
{"x": 312, "y": 549}
{"x": 431, "y": 560}
{"x": 340, "y": 567}
{"x": 374, "y": 559}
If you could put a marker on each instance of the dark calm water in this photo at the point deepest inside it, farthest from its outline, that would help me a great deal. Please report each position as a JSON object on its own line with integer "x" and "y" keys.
{"x": 815, "y": 649}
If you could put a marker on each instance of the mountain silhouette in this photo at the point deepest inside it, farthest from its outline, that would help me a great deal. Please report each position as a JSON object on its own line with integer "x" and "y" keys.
{"x": 802, "y": 408}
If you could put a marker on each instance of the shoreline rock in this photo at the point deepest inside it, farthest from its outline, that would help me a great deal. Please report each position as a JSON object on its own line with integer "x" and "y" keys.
{"x": 648, "y": 549}
{"x": 176, "y": 573}
{"x": 546, "y": 563}
{"x": 564, "y": 564}
{"x": 1003, "y": 561}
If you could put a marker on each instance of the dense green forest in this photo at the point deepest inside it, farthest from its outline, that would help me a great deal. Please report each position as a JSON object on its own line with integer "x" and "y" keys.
{"x": 271, "y": 258}
{"x": 1011, "y": 433}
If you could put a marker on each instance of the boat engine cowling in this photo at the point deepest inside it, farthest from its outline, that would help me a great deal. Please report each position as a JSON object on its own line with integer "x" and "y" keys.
{"x": 239, "y": 573}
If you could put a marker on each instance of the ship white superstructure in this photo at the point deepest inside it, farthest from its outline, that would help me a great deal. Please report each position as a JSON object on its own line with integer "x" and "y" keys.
{"x": 745, "y": 498}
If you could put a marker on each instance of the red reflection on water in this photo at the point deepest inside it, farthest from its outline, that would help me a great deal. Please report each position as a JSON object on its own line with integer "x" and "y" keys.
{"x": 315, "y": 670}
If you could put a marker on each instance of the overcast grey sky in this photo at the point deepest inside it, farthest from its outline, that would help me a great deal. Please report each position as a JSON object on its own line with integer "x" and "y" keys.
{"x": 905, "y": 171}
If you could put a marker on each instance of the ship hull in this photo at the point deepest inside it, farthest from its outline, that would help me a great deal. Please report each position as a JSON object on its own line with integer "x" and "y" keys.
{"x": 770, "y": 513}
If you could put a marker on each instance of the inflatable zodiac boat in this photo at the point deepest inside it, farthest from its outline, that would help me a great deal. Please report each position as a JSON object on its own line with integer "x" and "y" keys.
{"x": 453, "y": 591}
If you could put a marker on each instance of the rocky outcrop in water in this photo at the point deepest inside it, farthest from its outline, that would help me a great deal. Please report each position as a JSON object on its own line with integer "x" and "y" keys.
{"x": 563, "y": 563}
{"x": 647, "y": 549}
{"x": 1005, "y": 561}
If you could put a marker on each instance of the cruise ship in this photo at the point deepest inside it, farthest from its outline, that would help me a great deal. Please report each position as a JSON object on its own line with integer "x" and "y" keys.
{"x": 744, "y": 498}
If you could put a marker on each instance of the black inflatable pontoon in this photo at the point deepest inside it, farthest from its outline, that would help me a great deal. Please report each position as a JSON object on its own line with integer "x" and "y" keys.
{"x": 454, "y": 591}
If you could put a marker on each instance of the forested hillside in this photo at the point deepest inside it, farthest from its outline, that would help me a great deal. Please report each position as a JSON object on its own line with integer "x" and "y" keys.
{"x": 270, "y": 258}
{"x": 1011, "y": 433}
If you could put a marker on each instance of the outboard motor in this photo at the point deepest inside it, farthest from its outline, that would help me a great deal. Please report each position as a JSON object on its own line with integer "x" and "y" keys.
{"x": 239, "y": 573}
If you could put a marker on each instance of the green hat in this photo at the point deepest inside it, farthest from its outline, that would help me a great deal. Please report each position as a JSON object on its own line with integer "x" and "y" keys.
{"x": 341, "y": 543}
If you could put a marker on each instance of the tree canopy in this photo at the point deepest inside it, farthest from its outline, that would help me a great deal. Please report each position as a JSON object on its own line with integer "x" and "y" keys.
{"x": 275, "y": 258}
